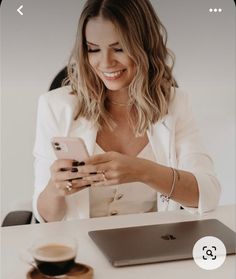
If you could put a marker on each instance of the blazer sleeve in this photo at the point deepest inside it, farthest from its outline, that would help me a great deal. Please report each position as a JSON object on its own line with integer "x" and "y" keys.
{"x": 46, "y": 128}
{"x": 192, "y": 157}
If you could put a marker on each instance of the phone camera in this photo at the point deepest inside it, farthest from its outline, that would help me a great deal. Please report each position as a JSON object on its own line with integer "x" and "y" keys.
{"x": 58, "y": 148}
{"x": 56, "y": 144}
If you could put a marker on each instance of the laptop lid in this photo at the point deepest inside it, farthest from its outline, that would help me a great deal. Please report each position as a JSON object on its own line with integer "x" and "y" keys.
{"x": 159, "y": 243}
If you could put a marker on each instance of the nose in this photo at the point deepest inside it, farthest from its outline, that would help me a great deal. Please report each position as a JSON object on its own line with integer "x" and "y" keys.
{"x": 107, "y": 60}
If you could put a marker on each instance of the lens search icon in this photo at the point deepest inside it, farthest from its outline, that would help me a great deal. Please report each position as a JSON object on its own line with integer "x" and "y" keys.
{"x": 209, "y": 252}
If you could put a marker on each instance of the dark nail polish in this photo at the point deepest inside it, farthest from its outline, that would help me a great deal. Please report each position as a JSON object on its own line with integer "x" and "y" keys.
{"x": 75, "y": 164}
{"x": 63, "y": 169}
{"x": 81, "y": 163}
{"x": 74, "y": 170}
{"x": 88, "y": 185}
{"x": 73, "y": 179}
{"x": 93, "y": 172}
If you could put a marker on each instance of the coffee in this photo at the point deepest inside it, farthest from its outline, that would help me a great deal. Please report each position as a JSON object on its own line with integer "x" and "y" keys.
{"x": 54, "y": 259}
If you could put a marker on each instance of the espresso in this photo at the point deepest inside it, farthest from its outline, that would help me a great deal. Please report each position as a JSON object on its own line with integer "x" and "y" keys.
{"x": 54, "y": 259}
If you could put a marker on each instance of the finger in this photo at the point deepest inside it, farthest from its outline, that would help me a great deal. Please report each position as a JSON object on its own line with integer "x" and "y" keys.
{"x": 64, "y": 164}
{"x": 80, "y": 183}
{"x": 104, "y": 183}
{"x": 67, "y": 188}
{"x": 93, "y": 169}
{"x": 68, "y": 175}
{"x": 95, "y": 177}
{"x": 100, "y": 158}
{"x": 87, "y": 169}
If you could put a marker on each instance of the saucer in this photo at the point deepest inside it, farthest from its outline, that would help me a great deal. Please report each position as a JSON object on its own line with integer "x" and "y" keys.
{"x": 79, "y": 271}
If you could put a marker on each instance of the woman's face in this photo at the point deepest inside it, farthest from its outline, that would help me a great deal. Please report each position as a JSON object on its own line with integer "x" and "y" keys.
{"x": 111, "y": 64}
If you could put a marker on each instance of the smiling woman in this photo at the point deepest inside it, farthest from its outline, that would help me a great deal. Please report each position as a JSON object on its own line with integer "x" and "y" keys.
{"x": 144, "y": 147}
{"x": 113, "y": 66}
{"x": 112, "y": 42}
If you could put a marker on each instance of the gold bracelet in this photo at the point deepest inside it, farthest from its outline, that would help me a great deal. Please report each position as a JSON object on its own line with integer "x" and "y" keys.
{"x": 167, "y": 197}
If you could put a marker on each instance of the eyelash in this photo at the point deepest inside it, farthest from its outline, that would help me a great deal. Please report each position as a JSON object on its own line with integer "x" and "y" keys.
{"x": 97, "y": 50}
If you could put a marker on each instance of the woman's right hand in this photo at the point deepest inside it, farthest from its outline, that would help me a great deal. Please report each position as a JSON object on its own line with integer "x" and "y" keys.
{"x": 65, "y": 179}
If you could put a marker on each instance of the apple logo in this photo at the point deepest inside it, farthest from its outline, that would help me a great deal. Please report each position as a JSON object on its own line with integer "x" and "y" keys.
{"x": 168, "y": 237}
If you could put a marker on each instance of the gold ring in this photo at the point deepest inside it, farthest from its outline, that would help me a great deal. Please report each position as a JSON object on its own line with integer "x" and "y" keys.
{"x": 69, "y": 186}
{"x": 104, "y": 176}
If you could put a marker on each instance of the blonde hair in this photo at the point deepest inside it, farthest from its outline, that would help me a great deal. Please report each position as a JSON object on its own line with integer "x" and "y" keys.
{"x": 145, "y": 43}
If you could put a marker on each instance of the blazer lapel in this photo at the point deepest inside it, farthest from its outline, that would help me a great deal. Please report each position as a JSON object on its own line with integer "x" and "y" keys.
{"x": 159, "y": 138}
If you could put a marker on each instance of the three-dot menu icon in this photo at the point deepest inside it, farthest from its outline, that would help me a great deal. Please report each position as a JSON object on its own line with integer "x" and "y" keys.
{"x": 215, "y": 10}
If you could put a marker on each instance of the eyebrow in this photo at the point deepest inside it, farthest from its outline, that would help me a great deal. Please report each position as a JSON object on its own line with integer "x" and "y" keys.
{"x": 113, "y": 44}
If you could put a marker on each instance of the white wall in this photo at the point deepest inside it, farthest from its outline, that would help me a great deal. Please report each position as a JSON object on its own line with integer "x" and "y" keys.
{"x": 36, "y": 46}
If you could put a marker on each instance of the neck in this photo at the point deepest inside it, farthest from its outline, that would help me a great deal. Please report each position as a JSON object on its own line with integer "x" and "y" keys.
{"x": 124, "y": 104}
{"x": 120, "y": 97}
{"x": 119, "y": 104}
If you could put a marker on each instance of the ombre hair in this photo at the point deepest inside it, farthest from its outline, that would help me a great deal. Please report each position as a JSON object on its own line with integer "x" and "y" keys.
{"x": 143, "y": 38}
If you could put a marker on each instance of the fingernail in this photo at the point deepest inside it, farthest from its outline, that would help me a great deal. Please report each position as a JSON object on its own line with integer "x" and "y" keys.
{"x": 81, "y": 164}
{"x": 74, "y": 170}
{"x": 77, "y": 178}
{"x": 93, "y": 172}
{"x": 63, "y": 169}
{"x": 75, "y": 163}
{"x": 88, "y": 185}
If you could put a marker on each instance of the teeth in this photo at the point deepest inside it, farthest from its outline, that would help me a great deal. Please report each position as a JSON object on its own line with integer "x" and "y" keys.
{"x": 114, "y": 74}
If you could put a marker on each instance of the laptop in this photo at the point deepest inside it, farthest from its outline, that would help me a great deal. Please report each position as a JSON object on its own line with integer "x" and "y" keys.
{"x": 159, "y": 243}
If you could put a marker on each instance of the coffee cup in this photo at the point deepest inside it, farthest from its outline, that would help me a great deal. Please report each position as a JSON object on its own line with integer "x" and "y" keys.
{"x": 53, "y": 255}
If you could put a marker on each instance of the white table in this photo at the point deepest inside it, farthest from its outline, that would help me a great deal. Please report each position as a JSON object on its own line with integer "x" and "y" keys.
{"x": 16, "y": 239}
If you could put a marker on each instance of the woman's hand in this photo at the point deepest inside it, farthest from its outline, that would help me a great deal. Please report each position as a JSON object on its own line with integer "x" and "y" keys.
{"x": 113, "y": 168}
{"x": 65, "y": 179}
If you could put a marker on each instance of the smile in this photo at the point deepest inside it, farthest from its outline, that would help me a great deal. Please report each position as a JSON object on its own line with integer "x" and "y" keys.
{"x": 113, "y": 74}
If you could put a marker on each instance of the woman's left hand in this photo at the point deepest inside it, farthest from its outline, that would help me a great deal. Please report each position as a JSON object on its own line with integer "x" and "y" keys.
{"x": 112, "y": 168}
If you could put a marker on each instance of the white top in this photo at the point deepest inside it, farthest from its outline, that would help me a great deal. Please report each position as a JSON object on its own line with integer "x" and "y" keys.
{"x": 174, "y": 141}
{"x": 126, "y": 198}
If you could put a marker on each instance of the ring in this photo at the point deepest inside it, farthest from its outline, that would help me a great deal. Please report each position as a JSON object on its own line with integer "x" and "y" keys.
{"x": 69, "y": 186}
{"x": 104, "y": 176}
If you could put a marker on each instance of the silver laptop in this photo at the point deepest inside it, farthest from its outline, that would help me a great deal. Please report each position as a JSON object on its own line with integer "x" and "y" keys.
{"x": 159, "y": 243}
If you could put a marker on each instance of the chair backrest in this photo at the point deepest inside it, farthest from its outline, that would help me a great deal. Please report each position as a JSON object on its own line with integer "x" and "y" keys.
{"x": 57, "y": 81}
{"x": 19, "y": 217}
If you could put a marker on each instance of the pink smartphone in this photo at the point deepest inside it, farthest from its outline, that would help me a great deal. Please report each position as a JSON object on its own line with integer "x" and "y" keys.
{"x": 70, "y": 148}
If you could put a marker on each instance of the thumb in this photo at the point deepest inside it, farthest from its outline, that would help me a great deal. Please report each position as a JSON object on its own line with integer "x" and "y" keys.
{"x": 99, "y": 158}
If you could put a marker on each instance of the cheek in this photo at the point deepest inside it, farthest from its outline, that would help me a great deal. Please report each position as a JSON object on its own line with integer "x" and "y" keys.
{"x": 133, "y": 68}
{"x": 131, "y": 65}
{"x": 92, "y": 61}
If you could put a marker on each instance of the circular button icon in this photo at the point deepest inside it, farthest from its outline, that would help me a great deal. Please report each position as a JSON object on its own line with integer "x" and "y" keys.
{"x": 209, "y": 252}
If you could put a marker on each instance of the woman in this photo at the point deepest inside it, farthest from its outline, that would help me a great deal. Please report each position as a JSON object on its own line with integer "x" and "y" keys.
{"x": 145, "y": 152}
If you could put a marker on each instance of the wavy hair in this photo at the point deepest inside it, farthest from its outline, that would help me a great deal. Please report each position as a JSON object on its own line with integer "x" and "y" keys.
{"x": 143, "y": 37}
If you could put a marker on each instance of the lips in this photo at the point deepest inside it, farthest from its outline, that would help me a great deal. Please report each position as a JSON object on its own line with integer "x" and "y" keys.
{"x": 113, "y": 75}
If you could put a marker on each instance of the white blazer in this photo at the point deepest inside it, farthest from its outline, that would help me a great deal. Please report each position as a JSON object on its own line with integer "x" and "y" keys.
{"x": 174, "y": 140}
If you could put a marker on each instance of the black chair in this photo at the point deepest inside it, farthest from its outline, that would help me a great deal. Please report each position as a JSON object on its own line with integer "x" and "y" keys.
{"x": 23, "y": 217}
{"x": 57, "y": 81}
{"x": 15, "y": 218}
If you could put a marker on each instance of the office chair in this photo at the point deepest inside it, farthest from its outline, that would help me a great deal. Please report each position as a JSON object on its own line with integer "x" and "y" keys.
{"x": 23, "y": 217}
{"x": 57, "y": 81}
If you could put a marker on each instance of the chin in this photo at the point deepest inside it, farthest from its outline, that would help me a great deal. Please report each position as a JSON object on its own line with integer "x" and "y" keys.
{"x": 115, "y": 87}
